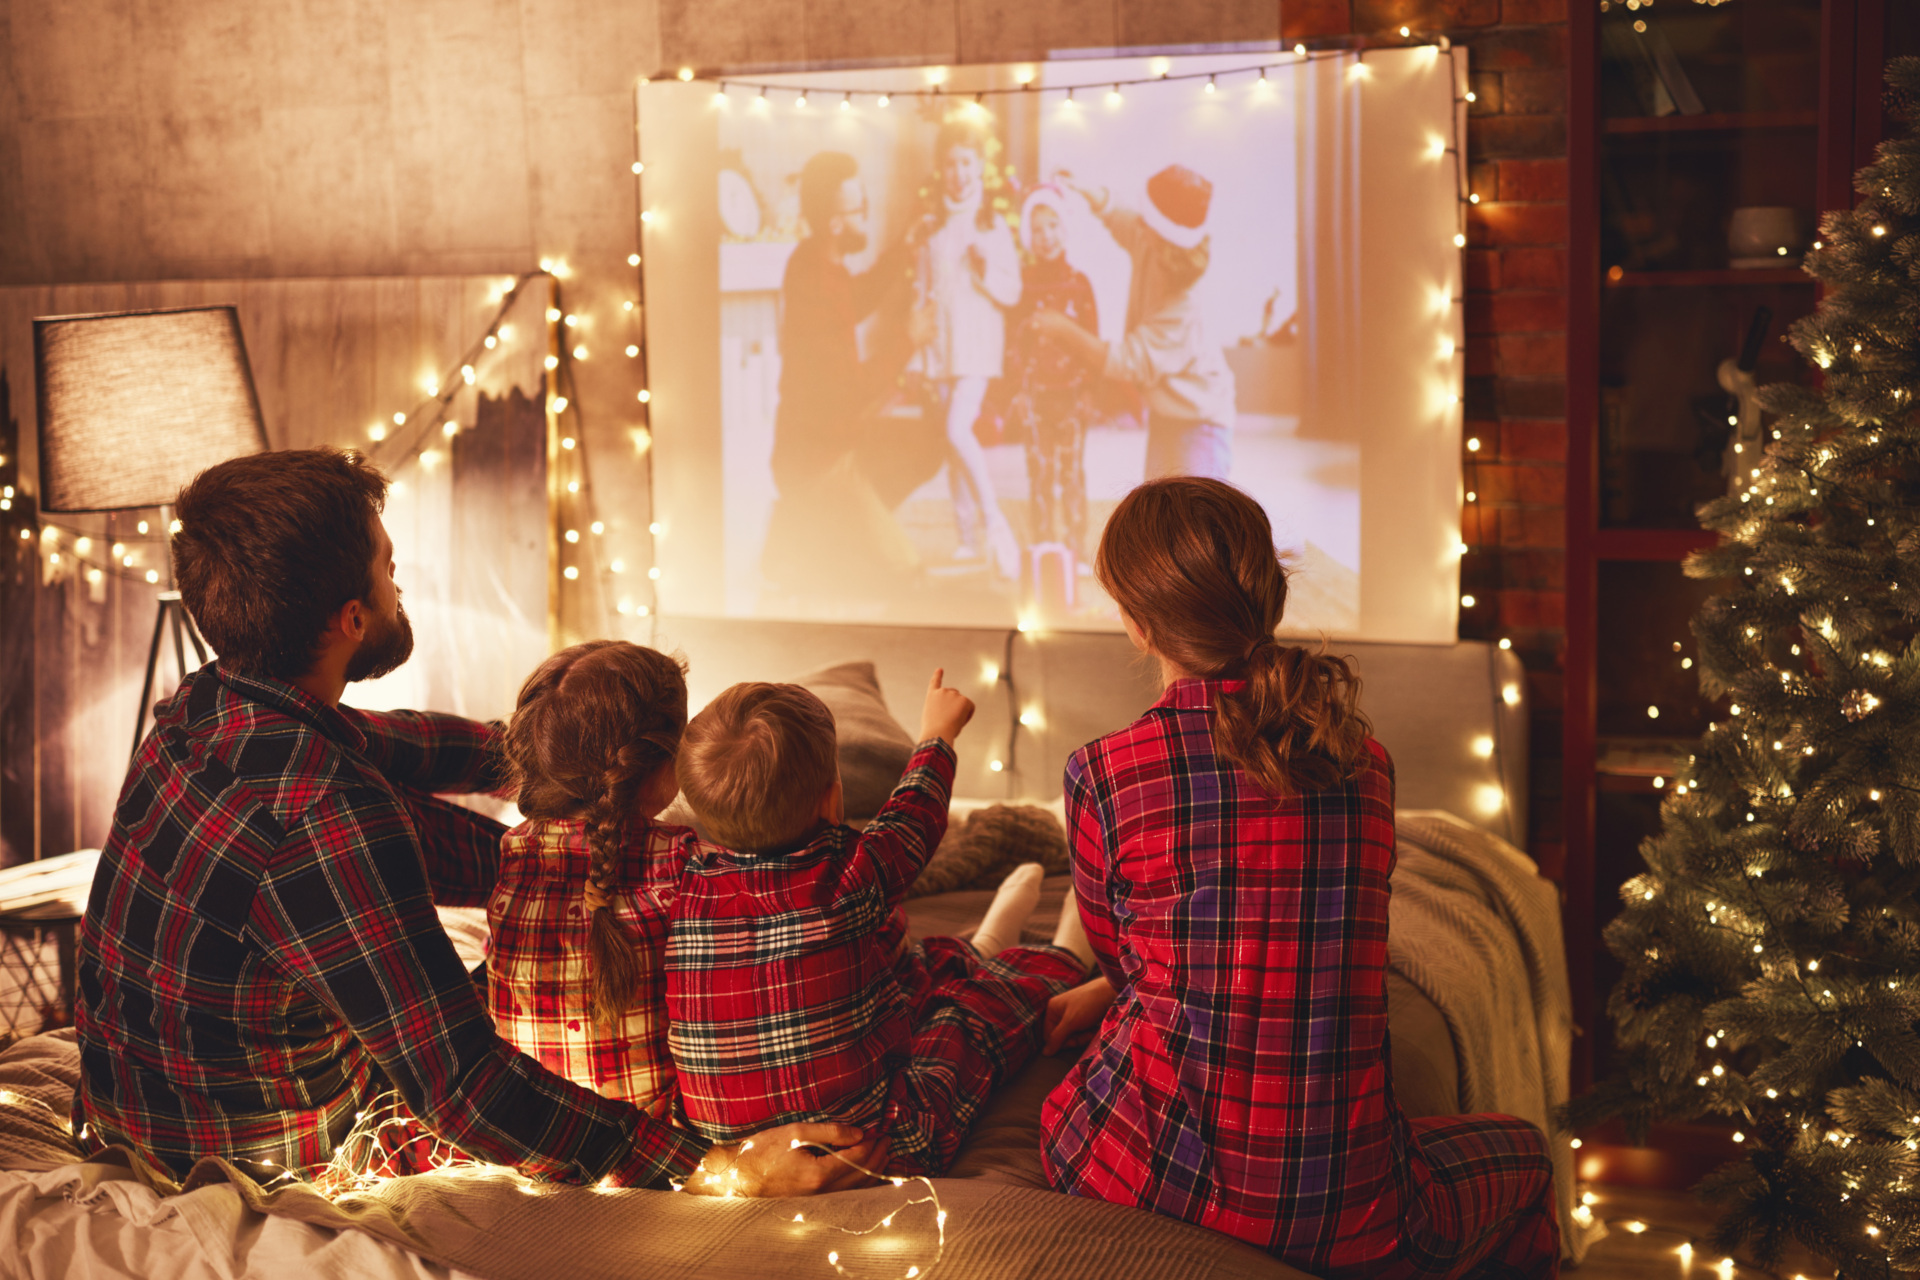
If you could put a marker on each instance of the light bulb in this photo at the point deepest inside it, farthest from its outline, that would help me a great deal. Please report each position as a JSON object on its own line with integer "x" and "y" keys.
{"x": 686, "y": 74}
{"x": 633, "y": 259}
{"x": 882, "y": 100}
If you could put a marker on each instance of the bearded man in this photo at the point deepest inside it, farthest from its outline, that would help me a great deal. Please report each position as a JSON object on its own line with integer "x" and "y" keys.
{"x": 260, "y": 957}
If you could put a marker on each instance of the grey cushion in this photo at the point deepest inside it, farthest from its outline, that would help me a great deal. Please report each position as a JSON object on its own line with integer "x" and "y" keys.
{"x": 874, "y": 748}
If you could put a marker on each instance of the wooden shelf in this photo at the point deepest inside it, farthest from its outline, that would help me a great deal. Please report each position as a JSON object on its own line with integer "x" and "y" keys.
{"x": 1712, "y": 121}
{"x": 1641, "y": 759}
{"x": 1702, "y": 279}
{"x": 1651, "y": 544}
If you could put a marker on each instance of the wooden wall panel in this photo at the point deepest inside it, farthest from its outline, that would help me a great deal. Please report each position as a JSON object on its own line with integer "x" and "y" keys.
{"x": 330, "y": 359}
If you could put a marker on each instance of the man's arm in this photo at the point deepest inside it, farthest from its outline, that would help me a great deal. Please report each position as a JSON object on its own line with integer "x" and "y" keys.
{"x": 430, "y": 752}
{"x": 889, "y": 271}
{"x": 347, "y": 908}
{"x": 460, "y": 848}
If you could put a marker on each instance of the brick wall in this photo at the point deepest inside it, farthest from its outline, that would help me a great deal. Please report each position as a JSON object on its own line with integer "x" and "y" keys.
{"x": 1516, "y": 333}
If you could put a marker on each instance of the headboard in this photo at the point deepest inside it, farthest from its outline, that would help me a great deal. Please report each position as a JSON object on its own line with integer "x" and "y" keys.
{"x": 1454, "y": 716}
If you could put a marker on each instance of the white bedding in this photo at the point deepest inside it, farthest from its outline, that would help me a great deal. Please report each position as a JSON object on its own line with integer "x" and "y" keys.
{"x": 91, "y": 1222}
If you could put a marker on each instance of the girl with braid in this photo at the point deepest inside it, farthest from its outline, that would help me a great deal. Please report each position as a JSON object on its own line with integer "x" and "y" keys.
{"x": 579, "y": 916}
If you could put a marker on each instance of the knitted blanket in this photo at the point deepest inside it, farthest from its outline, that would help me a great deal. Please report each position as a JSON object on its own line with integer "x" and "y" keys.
{"x": 1476, "y": 929}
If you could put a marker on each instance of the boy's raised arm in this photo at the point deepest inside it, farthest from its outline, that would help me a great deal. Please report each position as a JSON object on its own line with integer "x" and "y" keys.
{"x": 908, "y": 828}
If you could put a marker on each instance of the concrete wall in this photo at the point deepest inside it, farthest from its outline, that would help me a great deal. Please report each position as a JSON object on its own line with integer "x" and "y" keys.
{"x": 144, "y": 139}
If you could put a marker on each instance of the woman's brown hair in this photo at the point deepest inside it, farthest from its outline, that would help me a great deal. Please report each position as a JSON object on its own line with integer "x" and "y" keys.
{"x": 592, "y": 725}
{"x": 1191, "y": 561}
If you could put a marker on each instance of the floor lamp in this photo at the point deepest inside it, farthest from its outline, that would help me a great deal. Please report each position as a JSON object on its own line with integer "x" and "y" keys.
{"x": 132, "y": 405}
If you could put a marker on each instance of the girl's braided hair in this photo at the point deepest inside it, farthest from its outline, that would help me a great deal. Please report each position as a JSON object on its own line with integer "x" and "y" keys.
{"x": 593, "y": 724}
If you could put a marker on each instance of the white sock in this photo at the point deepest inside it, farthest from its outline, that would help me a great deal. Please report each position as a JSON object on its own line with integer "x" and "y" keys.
{"x": 1018, "y": 895}
{"x": 1072, "y": 934}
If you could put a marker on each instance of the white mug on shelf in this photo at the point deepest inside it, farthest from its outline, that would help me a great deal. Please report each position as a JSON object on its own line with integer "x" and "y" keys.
{"x": 1764, "y": 236}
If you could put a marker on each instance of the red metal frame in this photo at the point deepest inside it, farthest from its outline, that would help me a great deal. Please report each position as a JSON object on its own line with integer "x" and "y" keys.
{"x": 1582, "y": 605}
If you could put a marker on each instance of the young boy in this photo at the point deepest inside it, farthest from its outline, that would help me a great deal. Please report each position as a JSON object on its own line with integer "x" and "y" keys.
{"x": 792, "y": 989}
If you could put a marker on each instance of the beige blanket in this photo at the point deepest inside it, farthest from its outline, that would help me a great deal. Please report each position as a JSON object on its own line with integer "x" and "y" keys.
{"x": 1476, "y": 928}
{"x": 502, "y": 1228}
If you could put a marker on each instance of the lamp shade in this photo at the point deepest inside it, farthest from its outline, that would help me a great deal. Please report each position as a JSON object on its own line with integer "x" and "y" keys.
{"x": 135, "y": 404}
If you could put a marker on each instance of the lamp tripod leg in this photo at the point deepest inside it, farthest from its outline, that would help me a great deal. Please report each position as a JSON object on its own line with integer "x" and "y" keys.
{"x": 146, "y": 685}
{"x": 173, "y": 609}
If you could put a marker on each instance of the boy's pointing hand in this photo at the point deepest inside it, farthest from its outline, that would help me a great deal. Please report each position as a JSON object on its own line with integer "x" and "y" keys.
{"x": 946, "y": 712}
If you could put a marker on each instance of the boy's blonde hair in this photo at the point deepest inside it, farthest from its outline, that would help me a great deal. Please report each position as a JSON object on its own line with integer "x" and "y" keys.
{"x": 755, "y": 764}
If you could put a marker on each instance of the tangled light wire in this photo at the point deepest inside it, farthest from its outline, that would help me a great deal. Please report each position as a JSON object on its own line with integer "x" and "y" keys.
{"x": 731, "y": 1178}
{"x": 385, "y": 1130}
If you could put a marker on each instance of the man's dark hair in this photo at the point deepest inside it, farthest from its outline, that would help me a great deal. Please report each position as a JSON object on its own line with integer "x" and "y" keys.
{"x": 821, "y": 178}
{"x": 270, "y": 547}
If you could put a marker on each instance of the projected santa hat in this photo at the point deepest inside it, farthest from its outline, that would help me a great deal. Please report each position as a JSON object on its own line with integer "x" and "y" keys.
{"x": 1178, "y": 202}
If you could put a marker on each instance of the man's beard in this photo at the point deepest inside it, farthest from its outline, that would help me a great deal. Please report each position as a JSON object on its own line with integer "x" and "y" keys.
{"x": 385, "y": 649}
{"x": 850, "y": 242}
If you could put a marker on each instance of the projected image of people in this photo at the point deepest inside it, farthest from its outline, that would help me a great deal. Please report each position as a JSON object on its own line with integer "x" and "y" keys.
{"x": 954, "y": 334}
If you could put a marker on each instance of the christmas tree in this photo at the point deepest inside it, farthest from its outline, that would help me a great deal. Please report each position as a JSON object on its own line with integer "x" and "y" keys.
{"x": 1772, "y": 947}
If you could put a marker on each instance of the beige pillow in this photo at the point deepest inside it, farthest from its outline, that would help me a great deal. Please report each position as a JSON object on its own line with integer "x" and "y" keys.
{"x": 874, "y": 748}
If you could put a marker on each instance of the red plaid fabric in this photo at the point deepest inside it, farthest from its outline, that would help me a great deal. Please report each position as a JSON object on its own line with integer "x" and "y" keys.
{"x": 793, "y": 994}
{"x": 538, "y": 961}
{"x": 260, "y": 957}
{"x": 1240, "y": 1081}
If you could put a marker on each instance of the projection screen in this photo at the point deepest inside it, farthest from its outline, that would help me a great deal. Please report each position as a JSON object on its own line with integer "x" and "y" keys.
{"x": 911, "y": 339}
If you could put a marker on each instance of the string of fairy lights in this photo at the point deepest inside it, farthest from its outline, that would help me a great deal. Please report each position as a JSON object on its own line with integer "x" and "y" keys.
{"x": 940, "y": 87}
{"x": 414, "y": 434}
{"x": 418, "y": 434}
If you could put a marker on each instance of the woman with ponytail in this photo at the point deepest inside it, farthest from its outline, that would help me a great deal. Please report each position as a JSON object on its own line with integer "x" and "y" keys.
{"x": 579, "y": 917}
{"x": 1231, "y": 853}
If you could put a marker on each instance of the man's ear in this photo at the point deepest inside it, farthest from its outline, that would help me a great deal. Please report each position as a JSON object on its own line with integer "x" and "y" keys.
{"x": 349, "y": 621}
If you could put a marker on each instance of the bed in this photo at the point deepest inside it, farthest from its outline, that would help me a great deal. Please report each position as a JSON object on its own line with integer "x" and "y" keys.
{"x": 1477, "y": 998}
